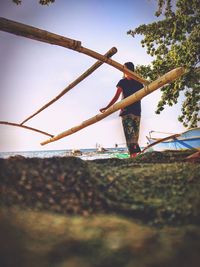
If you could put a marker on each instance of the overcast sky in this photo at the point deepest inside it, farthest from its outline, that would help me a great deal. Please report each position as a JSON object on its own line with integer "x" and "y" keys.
{"x": 32, "y": 73}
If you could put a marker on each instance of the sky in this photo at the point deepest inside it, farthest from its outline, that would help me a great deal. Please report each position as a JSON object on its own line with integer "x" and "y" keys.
{"x": 32, "y": 73}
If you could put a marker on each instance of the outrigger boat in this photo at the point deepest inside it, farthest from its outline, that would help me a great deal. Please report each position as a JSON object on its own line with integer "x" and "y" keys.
{"x": 189, "y": 139}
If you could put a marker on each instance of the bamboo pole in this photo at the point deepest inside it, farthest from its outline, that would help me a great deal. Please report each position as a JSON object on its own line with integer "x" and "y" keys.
{"x": 110, "y": 53}
{"x": 114, "y": 64}
{"x": 25, "y": 127}
{"x": 37, "y": 34}
{"x": 161, "y": 132}
{"x": 165, "y": 79}
{"x": 52, "y": 38}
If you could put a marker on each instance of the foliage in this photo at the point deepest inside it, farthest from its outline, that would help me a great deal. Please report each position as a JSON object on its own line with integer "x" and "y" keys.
{"x": 174, "y": 41}
{"x": 42, "y": 2}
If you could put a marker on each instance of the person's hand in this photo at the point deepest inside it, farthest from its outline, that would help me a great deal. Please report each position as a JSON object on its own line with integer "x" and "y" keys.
{"x": 102, "y": 110}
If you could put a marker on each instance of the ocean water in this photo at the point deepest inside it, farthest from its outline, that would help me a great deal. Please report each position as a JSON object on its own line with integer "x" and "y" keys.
{"x": 85, "y": 154}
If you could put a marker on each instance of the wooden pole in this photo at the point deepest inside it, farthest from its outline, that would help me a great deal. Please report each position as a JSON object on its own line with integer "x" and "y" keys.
{"x": 113, "y": 63}
{"x": 37, "y": 34}
{"x": 110, "y": 53}
{"x": 165, "y": 79}
{"x": 52, "y": 38}
{"x": 25, "y": 127}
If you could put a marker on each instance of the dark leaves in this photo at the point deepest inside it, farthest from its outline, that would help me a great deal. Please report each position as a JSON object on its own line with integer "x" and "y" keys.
{"x": 174, "y": 42}
{"x": 42, "y": 2}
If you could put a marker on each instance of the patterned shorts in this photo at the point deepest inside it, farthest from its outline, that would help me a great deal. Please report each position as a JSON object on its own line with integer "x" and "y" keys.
{"x": 131, "y": 125}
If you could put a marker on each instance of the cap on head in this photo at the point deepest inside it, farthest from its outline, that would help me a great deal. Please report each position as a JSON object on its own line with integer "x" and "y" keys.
{"x": 130, "y": 66}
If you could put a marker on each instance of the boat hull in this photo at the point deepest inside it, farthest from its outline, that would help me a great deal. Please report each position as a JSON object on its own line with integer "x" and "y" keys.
{"x": 187, "y": 140}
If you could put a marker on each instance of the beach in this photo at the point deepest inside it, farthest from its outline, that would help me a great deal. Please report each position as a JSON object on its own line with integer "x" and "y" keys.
{"x": 65, "y": 211}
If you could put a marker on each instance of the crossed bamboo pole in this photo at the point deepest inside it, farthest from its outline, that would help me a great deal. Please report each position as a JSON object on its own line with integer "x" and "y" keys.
{"x": 25, "y": 127}
{"x": 52, "y": 38}
{"x": 165, "y": 79}
{"x": 97, "y": 64}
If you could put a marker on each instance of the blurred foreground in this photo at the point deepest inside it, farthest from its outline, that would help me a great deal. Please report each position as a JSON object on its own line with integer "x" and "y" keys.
{"x": 102, "y": 213}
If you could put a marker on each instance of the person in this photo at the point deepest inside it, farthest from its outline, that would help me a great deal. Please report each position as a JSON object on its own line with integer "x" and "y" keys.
{"x": 131, "y": 114}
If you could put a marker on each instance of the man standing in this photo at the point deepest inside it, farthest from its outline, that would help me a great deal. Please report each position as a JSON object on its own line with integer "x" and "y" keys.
{"x": 131, "y": 114}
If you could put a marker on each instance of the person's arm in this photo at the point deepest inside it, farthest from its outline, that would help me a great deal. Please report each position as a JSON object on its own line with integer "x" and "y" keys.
{"x": 115, "y": 98}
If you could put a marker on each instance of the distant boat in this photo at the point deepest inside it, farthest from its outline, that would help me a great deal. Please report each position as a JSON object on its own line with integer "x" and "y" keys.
{"x": 101, "y": 149}
{"x": 189, "y": 139}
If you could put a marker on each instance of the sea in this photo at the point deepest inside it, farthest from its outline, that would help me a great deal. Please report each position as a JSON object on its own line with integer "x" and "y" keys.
{"x": 85, "y": 154}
